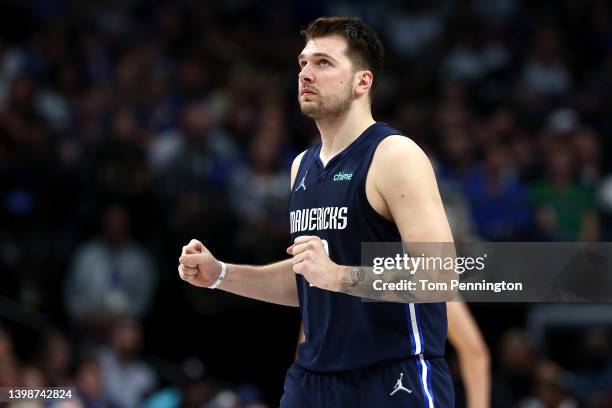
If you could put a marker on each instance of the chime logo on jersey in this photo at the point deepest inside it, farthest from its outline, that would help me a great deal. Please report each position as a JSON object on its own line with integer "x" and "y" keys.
{"x": 321, "y": 218}
{"x": 342, "y": 176}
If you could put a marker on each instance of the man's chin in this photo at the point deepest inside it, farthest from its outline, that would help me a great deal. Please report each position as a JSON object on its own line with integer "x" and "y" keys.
{"x": 309, "y": 110}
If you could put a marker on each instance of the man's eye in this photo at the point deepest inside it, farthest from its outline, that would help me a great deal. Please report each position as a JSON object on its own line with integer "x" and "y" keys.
{"x": 324, "y": 62}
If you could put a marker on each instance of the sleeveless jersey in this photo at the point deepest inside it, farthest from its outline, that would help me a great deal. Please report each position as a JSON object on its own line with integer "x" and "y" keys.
{"x": 344, "y": 332}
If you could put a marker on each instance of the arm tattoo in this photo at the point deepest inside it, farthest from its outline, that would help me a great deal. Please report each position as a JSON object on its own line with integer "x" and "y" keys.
{"x": 357, "y": 275}
{"x": 399, "y": 283}
{"x": 359, "y": 281}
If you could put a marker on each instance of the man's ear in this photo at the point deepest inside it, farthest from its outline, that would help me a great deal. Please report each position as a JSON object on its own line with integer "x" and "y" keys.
{"x": 363, "y": 82}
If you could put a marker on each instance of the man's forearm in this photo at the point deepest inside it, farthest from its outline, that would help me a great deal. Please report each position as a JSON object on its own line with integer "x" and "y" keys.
{"x": 359, "y": 281}
{"x": 476, "y": 379}
{"x": 274, "y": 283}
{"x": 425, "y": 277}
{"x": 363, "y": 282}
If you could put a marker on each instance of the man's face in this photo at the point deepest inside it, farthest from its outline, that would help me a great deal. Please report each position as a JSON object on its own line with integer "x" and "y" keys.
{"x": 326, "y": 78}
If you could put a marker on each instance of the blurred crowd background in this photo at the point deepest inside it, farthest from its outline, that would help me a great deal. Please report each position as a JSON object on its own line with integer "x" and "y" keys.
{"x": 128, "y": 127}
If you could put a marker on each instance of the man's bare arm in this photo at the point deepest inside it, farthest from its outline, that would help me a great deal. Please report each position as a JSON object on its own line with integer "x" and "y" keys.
{"x": 473, "y": 353}
{"x": 274, "y": 283}
{"x": 360, "y": 281}
{"x": 401, "y": 185}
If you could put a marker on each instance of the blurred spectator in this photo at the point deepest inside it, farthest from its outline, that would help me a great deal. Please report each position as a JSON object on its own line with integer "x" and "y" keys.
{"x": 9, "y": 373}
{"x": 413, "y": 30}
{"x": 586, "y": 143}
{"x": 592, "y": 381}
{"x": 30, "y": 377}
{"x": 474, "y": 55}
{"x": 513, "y": 379}
{"x": 458, "y": 150}
{"x": 562, "y": 121}
{"x": 458, "y": 213}
{"x": 259, "y": 197}
{"x": 119, "y": 161}
{"x": 224, "y": 399}
{"x": 564, "y": 209}
{"x": 498, "y": 126}
{"x": 413, "y": 119}
{"x": 523, "y": 156}
{"x": 110, "y": 275}
{"x": 604, "y": 203}
{"x": 551, "y": 388}
{"x": 6, "y": 346}
{"x": 198, "y": 154}
{"x": 127, "y": 379}
{"x": 53, "y": 103}
{"x": 55, "y": 359}
{"x": 11, "y": 66}
{"x": 500, "y": 206}
{"x": 190, "y": 388}
{"x": 89, "y": 385}
{"x": 545, "y": 72}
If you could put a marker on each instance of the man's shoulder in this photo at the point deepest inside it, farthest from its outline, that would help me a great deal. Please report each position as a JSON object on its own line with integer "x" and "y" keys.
{"x": 395, "y": 149}
{"x": 399, "y": 162}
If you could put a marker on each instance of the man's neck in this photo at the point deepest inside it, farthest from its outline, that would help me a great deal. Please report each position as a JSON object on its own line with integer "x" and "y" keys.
{"x": 339, "y": 132}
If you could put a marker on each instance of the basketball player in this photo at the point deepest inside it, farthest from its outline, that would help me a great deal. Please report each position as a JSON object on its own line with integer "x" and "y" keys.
{"x": 364, "y": 182}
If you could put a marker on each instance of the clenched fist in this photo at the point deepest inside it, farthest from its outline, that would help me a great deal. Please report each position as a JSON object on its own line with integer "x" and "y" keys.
{"x": 311, "y": 261}
{"x": 197, "y": 265}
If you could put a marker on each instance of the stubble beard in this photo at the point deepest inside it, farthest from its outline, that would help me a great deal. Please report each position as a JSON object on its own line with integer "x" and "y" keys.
{"x": 330, "y": 107}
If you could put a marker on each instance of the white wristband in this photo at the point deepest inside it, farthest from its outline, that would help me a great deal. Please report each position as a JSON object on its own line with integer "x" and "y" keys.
{"x": 220, "y": 278}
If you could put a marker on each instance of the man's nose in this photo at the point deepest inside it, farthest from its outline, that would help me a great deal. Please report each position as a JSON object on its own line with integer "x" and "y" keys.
{"x": 305, "y": 75}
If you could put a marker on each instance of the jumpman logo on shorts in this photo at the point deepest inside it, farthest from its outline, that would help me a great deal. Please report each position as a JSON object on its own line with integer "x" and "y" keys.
{"x": 399, "y": 386}
{"x": 303, "y": 182}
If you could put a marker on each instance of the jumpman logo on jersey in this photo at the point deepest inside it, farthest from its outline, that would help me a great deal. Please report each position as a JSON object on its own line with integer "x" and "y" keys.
{"x": 399, "y": 386}
{"x": 303, "y": 182}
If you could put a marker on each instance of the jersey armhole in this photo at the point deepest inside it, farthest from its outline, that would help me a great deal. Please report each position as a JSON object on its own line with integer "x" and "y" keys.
{"x": 304, "y": 155}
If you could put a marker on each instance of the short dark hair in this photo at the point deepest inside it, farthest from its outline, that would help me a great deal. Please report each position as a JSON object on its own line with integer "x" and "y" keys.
{"x": 364, "y": 47}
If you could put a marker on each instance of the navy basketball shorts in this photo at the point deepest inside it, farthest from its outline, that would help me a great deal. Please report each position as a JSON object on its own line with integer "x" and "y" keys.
{"x": 414, "y": 382}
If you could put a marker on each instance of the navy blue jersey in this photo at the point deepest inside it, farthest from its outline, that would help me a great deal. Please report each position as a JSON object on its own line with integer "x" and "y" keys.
{"x": 343, "y": 332}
